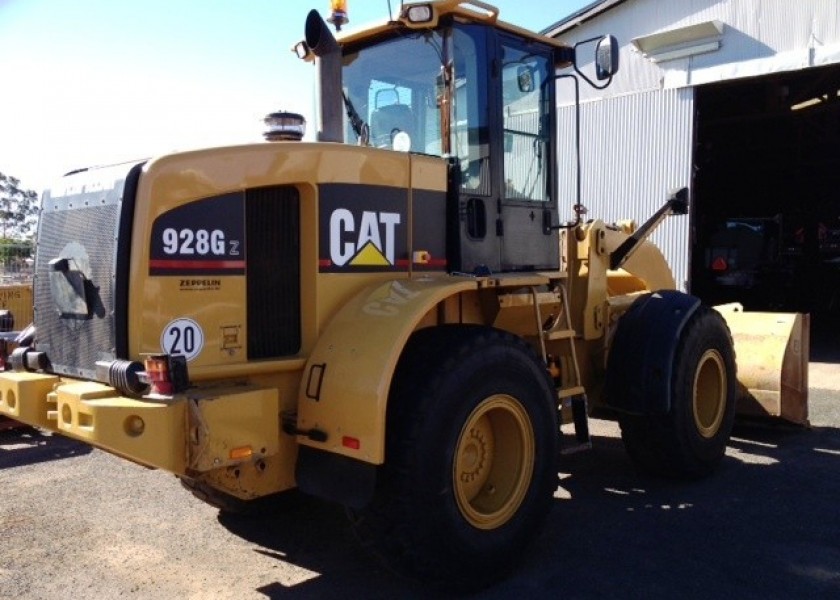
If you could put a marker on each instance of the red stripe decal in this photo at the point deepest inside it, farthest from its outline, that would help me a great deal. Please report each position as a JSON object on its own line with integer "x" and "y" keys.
{"x": 432, "y": 262}
{"x": 197, "y": 264}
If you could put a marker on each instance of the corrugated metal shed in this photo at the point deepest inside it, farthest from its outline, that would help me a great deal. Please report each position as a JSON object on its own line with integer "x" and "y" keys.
{"x": 638, "y": 134}
{"x": 759, "y": 37}
{"x": 626, "y": 173}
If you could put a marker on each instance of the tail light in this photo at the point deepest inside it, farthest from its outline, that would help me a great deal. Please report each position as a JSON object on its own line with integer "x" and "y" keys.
{"x": 719, "y": 264}
{"x": 166, "y": 374}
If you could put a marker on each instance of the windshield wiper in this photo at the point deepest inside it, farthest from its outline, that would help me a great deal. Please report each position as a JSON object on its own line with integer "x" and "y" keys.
{"x": 361, "y": 129}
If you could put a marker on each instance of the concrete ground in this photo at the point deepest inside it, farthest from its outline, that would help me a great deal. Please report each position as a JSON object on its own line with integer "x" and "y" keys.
{"x": 76, "y": 522}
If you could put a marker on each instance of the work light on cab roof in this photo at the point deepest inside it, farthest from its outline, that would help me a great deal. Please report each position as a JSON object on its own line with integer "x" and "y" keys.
{"x": 420, "y": 13}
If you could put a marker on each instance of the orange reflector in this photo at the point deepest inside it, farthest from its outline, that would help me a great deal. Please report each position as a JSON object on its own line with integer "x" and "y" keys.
{"x": 351, "y": 442}
{"x": 719, "y": 264}
{"x": 241, "y": 453}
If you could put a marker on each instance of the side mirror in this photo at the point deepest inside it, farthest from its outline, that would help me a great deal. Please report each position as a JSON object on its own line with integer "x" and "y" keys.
{"x": 606, "y": 57}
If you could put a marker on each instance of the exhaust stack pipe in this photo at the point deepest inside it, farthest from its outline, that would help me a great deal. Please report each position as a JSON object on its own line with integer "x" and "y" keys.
{"x": 323, "y": 45}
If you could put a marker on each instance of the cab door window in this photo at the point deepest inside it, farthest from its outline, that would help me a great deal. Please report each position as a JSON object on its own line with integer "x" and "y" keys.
{"x": 525, "y": 125}
{"x": 470, "y": 110}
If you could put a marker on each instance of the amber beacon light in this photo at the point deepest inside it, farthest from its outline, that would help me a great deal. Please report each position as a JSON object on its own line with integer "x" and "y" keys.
{"x": 338, "y": 14}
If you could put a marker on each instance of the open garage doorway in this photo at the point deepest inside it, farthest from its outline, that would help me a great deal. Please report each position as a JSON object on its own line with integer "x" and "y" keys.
{"x": 766, "y": 193}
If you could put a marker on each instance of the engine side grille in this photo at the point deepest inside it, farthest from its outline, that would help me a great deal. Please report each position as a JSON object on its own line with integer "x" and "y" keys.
{"x": 82, "y": 228}
{"x": 272, "y": 221}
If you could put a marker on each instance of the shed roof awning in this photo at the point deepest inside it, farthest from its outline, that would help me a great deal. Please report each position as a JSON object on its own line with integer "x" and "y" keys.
{"x": 691, "y": 40}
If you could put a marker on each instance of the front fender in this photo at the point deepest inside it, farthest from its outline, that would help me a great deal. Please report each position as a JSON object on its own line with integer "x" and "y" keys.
{"x": 640, "y": 364}
{"x": 344, "y": 390}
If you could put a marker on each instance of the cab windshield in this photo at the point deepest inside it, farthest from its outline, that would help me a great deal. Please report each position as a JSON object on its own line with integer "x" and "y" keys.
{"x": 396, "y": 87}
{"x": 432, "y": 92}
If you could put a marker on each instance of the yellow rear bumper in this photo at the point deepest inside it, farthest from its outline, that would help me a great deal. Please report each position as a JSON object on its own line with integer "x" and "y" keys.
{"x": 151, "y": 433}
{"x": 208, "y": 429}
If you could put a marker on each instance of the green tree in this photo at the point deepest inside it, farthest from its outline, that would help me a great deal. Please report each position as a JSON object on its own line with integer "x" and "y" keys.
{"x": 18, "y": 210}
{"x": 18, "y": 218}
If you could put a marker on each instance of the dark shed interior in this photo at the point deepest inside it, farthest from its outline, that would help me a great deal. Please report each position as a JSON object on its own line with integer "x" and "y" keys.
{"x": 766, "y": 194}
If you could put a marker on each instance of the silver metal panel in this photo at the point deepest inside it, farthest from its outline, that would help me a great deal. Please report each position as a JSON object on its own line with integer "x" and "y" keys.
{"x": 634, "y": 150}
{"x": 637, "y": 133}
{"x": 759, "y": 37}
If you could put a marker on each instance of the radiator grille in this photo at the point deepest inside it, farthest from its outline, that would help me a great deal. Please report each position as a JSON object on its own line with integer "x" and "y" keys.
{"x": 74, "y": 343}
{"x": 272, "y": 221}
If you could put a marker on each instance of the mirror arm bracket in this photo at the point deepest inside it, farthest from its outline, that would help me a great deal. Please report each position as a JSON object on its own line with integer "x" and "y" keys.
{"x": 564, "y": 56}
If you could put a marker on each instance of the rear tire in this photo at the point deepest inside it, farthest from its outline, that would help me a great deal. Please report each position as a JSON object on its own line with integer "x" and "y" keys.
{"x": 690, "y": 441}
{"x": 470, "y": 457}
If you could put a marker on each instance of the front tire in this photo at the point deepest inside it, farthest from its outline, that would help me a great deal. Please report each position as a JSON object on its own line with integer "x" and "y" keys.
{"x": 470, "y": 457}
{"x": 690, "y": 441}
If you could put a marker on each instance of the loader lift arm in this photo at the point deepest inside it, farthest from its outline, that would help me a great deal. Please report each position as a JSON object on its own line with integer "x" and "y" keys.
{"x": 677, "y": 204}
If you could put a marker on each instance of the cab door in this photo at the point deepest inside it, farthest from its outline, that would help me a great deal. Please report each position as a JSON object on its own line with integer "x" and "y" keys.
{"x": 476, "y": 247}
{"x": 525, "y": 129}
{"x": 501, "y": 124}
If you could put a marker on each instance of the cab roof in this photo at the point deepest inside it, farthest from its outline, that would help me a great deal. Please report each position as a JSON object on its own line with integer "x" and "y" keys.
{"x": 465, "y": 11}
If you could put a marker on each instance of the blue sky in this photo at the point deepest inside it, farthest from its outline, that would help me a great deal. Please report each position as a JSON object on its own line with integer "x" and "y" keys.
{"x": 89, "y": 82}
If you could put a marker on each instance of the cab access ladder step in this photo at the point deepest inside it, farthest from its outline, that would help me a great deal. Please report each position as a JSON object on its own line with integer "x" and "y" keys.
{"x": 580, "y": 418}
{"x": 574, "y": 393}
{"x": 570, "y": 392}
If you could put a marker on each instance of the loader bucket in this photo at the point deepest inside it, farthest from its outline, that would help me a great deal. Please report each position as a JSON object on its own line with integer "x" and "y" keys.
{"x": 771, "y": 352}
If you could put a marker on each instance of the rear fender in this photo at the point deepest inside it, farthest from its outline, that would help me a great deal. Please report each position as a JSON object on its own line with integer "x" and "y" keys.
{"x": 344, "y": 390}
{"x": 639, "y": 368}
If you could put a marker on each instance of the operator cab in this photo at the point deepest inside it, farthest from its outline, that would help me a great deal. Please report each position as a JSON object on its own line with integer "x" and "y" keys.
{"x": 483, "y": 98}
{"x": 449, "y": 79}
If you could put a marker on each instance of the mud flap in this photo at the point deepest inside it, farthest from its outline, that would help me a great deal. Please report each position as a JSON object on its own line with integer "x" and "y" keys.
{"x": 334, "y": 477}
{"x": 771, "y": 351}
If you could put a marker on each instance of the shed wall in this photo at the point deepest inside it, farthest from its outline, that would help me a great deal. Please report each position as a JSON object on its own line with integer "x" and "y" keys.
{"x": 637, "y": 134}
{"x": 634, "y": 150}
{"x": 759, "y": 37}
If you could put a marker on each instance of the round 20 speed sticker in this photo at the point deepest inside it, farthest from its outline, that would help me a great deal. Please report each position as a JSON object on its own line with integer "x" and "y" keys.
{"x": 182, "y": 336}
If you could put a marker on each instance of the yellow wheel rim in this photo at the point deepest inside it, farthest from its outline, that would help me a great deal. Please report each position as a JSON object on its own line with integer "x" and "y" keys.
{"x": 494, "y": 462}
{"x": 709, "y": 393}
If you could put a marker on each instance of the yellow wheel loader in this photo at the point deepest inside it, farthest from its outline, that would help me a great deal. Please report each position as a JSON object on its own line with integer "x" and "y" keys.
{"x": 393, "y": 317}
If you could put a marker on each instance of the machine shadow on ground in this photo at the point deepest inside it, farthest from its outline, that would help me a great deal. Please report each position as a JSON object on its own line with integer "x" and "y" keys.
{"x": 25, "y": 445}
{"x": 764, "y": 526}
